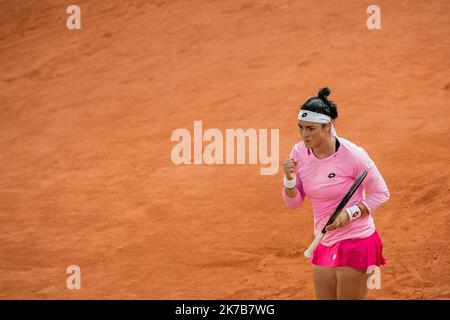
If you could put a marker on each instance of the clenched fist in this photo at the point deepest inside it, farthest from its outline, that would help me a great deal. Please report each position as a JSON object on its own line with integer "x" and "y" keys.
{"x": 290, "y": 167}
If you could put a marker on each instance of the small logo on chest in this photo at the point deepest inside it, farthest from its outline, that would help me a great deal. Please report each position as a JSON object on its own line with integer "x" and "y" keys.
{"x": 332, "y": 175}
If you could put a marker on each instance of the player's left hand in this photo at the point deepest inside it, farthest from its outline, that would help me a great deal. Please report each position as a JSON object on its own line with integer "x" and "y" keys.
{"x": 341, "y": 220}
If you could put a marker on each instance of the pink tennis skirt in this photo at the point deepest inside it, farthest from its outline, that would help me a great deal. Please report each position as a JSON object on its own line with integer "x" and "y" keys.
{"x": 354, "y": 253}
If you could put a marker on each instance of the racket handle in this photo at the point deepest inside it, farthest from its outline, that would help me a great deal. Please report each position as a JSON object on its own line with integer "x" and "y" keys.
{"x": 314, "y": 245}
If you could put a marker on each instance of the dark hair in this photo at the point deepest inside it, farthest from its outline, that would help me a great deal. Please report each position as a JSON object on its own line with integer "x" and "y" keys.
{"x": 321, "y": 104}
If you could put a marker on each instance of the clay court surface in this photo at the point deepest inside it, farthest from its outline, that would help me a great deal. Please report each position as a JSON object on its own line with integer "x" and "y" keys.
{"x": 86, "y": 117}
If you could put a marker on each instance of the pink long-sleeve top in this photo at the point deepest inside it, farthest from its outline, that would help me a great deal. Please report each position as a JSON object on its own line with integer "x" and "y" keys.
{"x": 326, "y": 181}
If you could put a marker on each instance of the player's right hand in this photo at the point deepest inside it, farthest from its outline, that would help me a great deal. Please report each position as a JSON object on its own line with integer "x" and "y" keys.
{"x": 290, "y": 168}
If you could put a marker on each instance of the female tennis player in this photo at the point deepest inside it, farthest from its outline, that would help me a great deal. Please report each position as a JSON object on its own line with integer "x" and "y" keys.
{"x": 323, "y": 167}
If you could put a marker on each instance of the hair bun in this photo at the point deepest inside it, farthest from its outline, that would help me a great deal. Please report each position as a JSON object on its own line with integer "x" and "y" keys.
{"x": 324, "y": 93}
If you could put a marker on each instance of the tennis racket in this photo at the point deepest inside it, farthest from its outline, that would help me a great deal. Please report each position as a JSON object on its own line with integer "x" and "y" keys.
{"x": 339, "y": 208}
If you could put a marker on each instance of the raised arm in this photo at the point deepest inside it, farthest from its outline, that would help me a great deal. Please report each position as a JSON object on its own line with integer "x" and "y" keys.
{"x": 292, "y": 193}
{"x": 296, "y": 200}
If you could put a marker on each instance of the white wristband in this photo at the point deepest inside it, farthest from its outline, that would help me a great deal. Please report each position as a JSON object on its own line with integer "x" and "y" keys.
{"x": 290, "y": 183}
{"x": 353, "y": 212}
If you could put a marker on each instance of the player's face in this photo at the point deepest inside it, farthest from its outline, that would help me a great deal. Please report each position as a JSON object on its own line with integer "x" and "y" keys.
{"x": 312, "y": 133}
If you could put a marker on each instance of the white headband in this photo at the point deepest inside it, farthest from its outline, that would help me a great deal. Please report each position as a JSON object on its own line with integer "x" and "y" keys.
{"x": 312, "y": 116}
